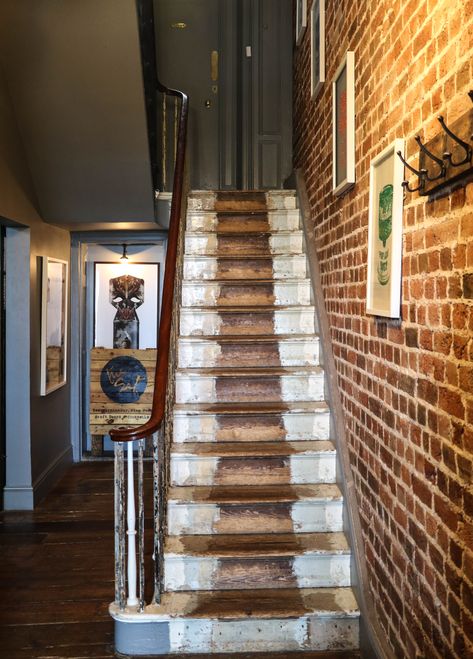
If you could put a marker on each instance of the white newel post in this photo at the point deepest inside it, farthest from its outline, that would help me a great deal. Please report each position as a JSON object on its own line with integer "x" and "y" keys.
{"x": 132, "y": 600}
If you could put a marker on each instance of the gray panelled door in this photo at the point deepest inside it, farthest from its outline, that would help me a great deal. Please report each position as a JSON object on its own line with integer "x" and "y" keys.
{"x": 233, "y": 58}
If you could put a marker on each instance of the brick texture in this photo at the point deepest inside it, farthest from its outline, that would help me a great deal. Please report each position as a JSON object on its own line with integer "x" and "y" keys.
{"x": 407, "y": 387}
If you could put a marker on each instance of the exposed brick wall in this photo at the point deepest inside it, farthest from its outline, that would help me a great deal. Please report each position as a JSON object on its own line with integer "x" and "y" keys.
{"x": 407, "y": 388}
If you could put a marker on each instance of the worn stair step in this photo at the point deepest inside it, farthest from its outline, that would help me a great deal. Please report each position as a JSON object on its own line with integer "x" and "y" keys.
{"x": 309, "y": 619}
{"x": 243, "y": 221}
{"x": 286, "y": 350}
{"x": 255, "y": 509}
{"x": 258, "y": 267}
{"x": 251, "y": 422}
{"x": 240, "y": 463}
{"x": 248, "y": 292}
{"x": 294, "y": 319}
{"x": 246, "y": 385}
{"x": 242, "y": 200}
{"x": 249, "y": 244}
{"x": 227, "y": 562}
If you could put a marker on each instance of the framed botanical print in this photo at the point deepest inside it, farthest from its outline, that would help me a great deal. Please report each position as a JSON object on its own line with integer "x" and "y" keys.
{"x": 343, "y": 116}
{"x": 301, "y": 19}
{"x": 126, "y": 305}
{"x": 317, "y": 47}
{"x": 383, "y": 290}
{"x": 53, "y": 324}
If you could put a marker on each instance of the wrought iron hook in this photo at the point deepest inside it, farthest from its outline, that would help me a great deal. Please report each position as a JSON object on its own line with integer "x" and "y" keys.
{"x": 464, "y": 145}
{"x": 421, "y": 173}
{"x": 433, "y": 157}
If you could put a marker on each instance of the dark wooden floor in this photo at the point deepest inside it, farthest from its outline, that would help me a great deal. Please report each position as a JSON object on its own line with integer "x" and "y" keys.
{"x": 56, "y": 574}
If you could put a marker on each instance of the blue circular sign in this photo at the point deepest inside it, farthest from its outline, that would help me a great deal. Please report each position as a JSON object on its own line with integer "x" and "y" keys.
{"x": 123, "y": 379}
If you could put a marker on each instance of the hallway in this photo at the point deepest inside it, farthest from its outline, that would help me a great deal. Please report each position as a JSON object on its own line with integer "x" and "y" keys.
{"x": 56, "y": 574}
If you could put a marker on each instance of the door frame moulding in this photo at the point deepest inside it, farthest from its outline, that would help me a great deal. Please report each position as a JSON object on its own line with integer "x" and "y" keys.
{"x": 372, "y": 637}
{"x": 18, "y": 490}
{"x": 80, "y": 240}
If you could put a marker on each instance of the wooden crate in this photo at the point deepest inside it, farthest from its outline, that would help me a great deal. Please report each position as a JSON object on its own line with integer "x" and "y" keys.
{"x": 106, "y": 414}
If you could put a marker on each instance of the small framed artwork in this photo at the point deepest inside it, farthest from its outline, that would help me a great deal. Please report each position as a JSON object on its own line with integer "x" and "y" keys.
{"x": 383, "y": 290}
{"x": 126, "y": 305}
{"x": 301, "y": 19}
{"x": 343, "y": 116}
{"x": 317, "y": 47}
{"x": 53, "y": 324}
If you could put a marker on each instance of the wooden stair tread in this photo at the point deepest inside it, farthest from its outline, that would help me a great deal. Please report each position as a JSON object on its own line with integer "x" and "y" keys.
{"x": 251, "y": 371}
{"x": 250, "y": 494}
{"x": 259, "y": 449}
{"x": 237, "y": 257}
{"x": 257, "y": 545}
{"x": 250, "y": 338}
{"x": 243, "y": 281}
{"x": 257, "y": 408}
{"x": 262, "y": 603}
{"x": 256, "y": 232}
{"x": 260, "y": 309}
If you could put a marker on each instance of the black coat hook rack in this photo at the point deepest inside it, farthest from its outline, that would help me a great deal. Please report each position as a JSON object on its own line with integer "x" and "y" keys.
{"x": 445, "y": 162}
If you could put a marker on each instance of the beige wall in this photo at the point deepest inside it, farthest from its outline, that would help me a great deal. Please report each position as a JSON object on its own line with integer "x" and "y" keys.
{"x": 50, "y": 423}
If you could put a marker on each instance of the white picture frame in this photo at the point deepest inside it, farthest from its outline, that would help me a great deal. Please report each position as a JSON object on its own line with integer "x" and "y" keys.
{"x": 105, "y": 312}
{"x": 301, "y": 19}
{"x": 54, "y": 294}
{"x": 385, "y": 216}
{"x": 343, "y": 125}
{"x": 317, "y": 47}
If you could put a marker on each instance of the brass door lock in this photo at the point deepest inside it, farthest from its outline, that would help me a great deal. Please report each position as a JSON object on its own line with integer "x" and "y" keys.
{"x": 208, "y": 103}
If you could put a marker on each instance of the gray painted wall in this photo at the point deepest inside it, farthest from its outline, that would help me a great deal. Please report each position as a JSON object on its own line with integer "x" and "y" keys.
{"x": 35, "y": 458}
{"x": 74, "y": 75}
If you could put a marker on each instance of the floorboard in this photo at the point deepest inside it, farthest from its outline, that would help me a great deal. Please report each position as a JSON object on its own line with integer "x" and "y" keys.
{"x": 56, "y": 575}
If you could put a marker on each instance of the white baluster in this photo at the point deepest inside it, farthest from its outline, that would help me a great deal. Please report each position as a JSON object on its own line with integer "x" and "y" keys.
{"x": 131, "y": 530}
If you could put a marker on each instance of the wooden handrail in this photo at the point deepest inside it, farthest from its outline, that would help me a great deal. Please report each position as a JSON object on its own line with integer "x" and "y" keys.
{"x": 162, "y": 363}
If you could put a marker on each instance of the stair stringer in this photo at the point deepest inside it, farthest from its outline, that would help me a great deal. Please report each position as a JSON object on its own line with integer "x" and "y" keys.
{"x": 373, "y": 643}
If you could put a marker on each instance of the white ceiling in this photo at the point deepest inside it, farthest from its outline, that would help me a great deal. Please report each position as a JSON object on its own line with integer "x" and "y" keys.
{"x": 73, "y": 71}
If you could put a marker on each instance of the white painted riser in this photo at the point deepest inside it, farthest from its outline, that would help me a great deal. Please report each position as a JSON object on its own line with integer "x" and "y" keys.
{"x": 286, "y": 388}
{"x": 192, "y": 427}
{"x": 205, "y": 519}
{"x": 207, "y": 268}
{"x": 196, "y": 322}
{"x": 275, "y": 200}
{"x": 208, "y": 244}
{"x": 206, "y": 354}
{"x": 278, "y": 220}
{"x": 209, "y": 294}
{"x": 194, "y": 470}
{"x": 306, "y": 571}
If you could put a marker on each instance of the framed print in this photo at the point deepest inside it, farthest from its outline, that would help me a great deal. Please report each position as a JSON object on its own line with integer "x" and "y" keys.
{"x": 126, "y": 305}
{"x": 343, "y": 115}
{"x": 53, "y": 324}
{"x": 301, "y": 19}
{"x": 383, "y": 290}
{"x": 317, "y": 47}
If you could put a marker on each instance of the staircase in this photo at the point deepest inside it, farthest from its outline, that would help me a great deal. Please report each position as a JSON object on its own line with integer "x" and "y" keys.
{"x": 255, "y": 558}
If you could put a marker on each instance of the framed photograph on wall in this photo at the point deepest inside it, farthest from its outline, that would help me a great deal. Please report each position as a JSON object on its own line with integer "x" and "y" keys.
{"x": 383, "y": 290}
{"x": 317, "y": 47}
{"x": 126, "y": 305}
{"x": 54, "y": 282}
{"x": 343, "y": 116}
{"x": 301, "y": 19}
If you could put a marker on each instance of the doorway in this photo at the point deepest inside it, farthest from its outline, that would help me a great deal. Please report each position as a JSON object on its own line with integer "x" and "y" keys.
{"x": 95, "y": 260}
{"x": 234, "y": 60}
